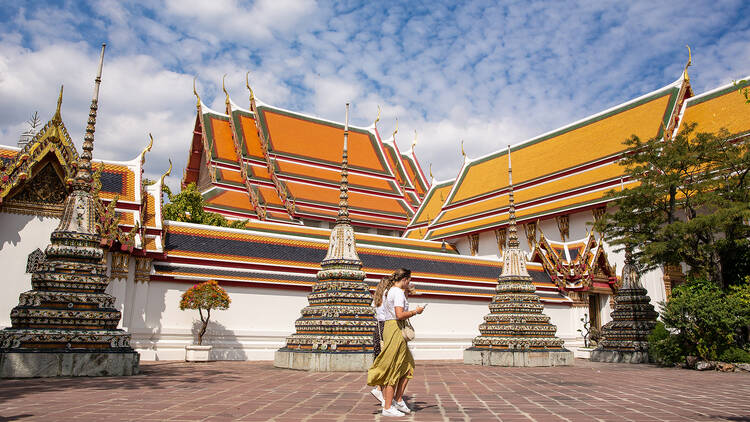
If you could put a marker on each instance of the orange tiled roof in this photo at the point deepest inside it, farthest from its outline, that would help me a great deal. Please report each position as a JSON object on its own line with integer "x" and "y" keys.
{"x": 722, "y": 108}
{"x": 553, "y": 172}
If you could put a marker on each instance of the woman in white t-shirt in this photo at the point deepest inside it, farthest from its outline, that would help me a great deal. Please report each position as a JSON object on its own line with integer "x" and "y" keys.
{"x": 394, "y": 366}
{"x": 378, "y": 302}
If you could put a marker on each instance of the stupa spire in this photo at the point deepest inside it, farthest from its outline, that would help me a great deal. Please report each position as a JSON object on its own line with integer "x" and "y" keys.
{"x": 514, "y": 260}
{"x": 344, "y": 186}
{"x": 83, "y": 177}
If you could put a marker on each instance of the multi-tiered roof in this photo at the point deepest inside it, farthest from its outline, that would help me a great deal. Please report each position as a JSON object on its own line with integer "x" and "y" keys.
{"x": 272, "y": 164}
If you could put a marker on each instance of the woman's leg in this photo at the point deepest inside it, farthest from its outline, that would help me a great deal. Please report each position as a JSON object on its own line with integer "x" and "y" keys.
{"x": 401, "y": 388}
{"x": 387, "y": 396}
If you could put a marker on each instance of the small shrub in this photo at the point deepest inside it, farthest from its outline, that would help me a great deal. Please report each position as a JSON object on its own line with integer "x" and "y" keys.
{"x": 735, "y": 355}
{"x": 663, "y": 347}
{"x": 205, "y": 296}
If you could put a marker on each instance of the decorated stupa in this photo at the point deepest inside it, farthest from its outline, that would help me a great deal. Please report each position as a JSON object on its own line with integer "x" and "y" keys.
{"x": 334, "y": 332}
{"x": 625, "y": 338}
{"x": 66, "y": 325}
{"x": 516, "y": 332}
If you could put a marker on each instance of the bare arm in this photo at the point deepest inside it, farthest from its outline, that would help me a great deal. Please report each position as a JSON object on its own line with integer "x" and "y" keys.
{"x": 401, "y": 314}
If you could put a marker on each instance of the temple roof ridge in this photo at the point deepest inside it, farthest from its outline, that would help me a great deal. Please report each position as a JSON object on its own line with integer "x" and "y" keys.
{"x": 676, "y": 84}
{"x": 313, "y": 117}
{"x": 208, "y": 110}
{"x": 720, "y": 88}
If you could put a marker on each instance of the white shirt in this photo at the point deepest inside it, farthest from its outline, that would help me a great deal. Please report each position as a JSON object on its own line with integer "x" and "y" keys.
{"x": 380, "y": 310}
{"x": 395, "y": 297}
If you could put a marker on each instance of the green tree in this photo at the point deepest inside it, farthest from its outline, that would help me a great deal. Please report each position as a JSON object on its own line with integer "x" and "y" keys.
{"x": 188, "y": 206}
{"x": 690, "y": 204}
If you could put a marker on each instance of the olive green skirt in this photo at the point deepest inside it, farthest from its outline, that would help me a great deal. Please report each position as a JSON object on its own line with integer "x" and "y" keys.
{"x": 394, "y": 361}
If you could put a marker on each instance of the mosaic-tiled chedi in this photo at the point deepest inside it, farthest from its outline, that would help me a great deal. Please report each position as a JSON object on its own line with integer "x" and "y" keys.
{"x": 625, "y": 338}
{"x": 516, "y": 332}
{"x": 334, "y": 332}
{"x": 67, "y": 325}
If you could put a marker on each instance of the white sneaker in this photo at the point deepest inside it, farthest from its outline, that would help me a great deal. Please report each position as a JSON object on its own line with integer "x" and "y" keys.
{"x": 401, "y": 406}
{"x": 392, "y": 411}
{"x": 378, "y": 395}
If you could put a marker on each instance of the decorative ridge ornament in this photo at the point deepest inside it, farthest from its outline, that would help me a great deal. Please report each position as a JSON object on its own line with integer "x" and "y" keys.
{"x": 685, "y": 76}
{"x": 377, "y": 118}
{"x": 198, "y": 97}
{"x": 395, "y": 131}
{"x": 247, "y": 84}
{"x": 167, "y": 173}
{"x": 57, "y": 116}
{"x": 414, "y": 142}
{"x": 223, "y": 88}
{"x": 147, "y": 149}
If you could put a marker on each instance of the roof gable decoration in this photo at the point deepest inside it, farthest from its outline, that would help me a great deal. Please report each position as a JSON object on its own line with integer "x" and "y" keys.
{"x": 53, "y": 143}
{"x": 575, "y": 265}
{"x": 257, "y": 202}
{"x": 431, "y": 198}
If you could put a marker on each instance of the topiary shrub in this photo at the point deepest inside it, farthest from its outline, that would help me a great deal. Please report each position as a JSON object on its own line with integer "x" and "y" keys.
{"x": 205, "y": 296}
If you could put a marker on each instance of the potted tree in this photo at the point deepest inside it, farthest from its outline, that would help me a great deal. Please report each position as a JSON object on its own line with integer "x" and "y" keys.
{"x": 203, "y": 297}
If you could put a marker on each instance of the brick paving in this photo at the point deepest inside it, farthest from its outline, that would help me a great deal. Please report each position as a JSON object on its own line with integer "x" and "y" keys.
{"x": 447, "y": 390}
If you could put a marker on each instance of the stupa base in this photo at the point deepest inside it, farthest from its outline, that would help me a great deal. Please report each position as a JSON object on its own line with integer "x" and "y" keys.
{"x": 518, "y": 358}
{"x": 619, "y": 356}
{"x": 68, "y": 364}
{"x": 322, "y": 362}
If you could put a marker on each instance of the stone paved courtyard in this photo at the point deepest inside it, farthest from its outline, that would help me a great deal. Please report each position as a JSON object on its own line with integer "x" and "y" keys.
{"x": 256, "y": 391}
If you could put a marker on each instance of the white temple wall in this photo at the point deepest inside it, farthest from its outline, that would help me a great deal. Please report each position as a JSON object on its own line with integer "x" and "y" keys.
{"x": 19, "y": 236}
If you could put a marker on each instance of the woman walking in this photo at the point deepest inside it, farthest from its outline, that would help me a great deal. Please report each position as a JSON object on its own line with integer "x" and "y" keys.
{"x": 394, "y": 366}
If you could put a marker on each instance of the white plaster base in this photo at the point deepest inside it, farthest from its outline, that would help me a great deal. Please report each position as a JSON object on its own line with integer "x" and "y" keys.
{"x": 72, "y": 364}
{"x": 582, "y": 352}
{"x": 196, "y": 353}
{"x": 518, "y": 358}
{"x": 322, "y": 362}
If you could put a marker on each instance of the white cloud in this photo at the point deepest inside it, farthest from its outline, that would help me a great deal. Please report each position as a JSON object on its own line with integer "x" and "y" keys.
{"x": 488, "y": 73}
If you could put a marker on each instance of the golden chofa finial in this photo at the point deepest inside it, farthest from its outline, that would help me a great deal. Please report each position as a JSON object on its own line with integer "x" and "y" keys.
{"x": 431, "y": 176}
{"x": 147, "y": 149}
{"x": 688, "y": 64}
{"x": 462, "y": 148}
{"x": 395, "y": 131}
{"x": 169, "y": 171}
{"x": 59, "y": 105}
{"x": 224, "y": 88}
{"x": 414, "y": 143}
{"x": 377, "y": 118}
{"x": 198, "y": 101}
{"x": 247, "y": 84}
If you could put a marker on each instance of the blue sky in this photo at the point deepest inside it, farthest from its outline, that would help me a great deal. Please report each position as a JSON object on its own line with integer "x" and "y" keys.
{"x": 490, "y": 73}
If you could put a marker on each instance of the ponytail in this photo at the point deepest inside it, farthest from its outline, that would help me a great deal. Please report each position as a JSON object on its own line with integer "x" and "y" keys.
{"x": 387, "y": 282}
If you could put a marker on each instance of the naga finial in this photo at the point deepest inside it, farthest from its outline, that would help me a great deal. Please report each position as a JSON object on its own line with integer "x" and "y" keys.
{"x": 414, "y": 142}
{"x": 431, "y": 176}
{"x": 59, "y": 105}
{"x": 688, "y": 64}
{"x": 224, "y": 88}
{"x": 462, "y": 148}
{"x": 168, "y": 172}
{"x": 247, "y": 84}
{"x": 377, "y": 118}
{"x": 147, "y": 149}
{"x": 395, "y": 131}
{"x": 195, "y": 92}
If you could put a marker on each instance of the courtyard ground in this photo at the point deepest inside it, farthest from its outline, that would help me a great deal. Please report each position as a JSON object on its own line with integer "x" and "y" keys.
{"x": 441, "y": 390}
